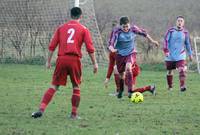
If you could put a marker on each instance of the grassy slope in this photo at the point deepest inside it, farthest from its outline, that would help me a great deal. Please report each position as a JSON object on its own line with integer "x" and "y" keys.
{"x": 21, "y": 88}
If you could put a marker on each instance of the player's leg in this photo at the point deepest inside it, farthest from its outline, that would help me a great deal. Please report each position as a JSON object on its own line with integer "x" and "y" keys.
{"x": 136, "y": 72}
{"x": 170, "y": 79}
{"x": 75, "y": 101}
{"x": 75, "y": 74}
{"x": 117, "y": 79}
{"x": 129, "y": 77}
{"x": 181, "y": 66}
{"x": 121, "y": 82}
{"x": 47, "y": 97}
{"x": 150, "y": 88}
{"x": 170, "y": 65}
{"x": 59, "y": 78}
{"x": 121, "y": 62}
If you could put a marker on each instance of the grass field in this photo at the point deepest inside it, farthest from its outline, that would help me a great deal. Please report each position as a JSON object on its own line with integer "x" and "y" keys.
{"x": 168, "y": 113}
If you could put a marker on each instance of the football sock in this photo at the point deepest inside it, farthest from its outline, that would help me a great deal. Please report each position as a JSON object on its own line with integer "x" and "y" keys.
{"x": 169, "y": 80}
{"x": 129, "y": 81}
{"x": 143, "y": 89}
{"x": 121, "y": 85}
{"x": 182, "y": 76}
{"x": 47, "y": 98}
{"x": 134, "y": 80}
{"x": 75, "y": 100}
{"x": 117, "y": 82}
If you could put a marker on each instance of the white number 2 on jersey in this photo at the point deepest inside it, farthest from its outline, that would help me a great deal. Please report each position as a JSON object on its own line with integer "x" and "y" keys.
{"x": 71, "y": 31}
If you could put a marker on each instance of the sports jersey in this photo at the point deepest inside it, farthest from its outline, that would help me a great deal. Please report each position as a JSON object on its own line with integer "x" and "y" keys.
{"x": 177, "y": 42}
{"x": 124, "y": 42}
{"x": 69, "y": 37}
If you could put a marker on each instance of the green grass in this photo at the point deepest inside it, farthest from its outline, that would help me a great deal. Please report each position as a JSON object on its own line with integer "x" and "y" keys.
{"x": 21, "y": 88}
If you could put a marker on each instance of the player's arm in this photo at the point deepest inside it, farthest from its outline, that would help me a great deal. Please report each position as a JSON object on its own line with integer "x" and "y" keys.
{"x": 188, "y": 46}
{"x": 152, "y": 40}
{"x": 166, "y": 43}
{"x": 48, "y": 63}
{"x": 112, "y": 41}
{"x": 94, "y": 62}
{"x": 90, "y": 49}
{"x": 52, "y": 46}
{"x": 143, "y": 33}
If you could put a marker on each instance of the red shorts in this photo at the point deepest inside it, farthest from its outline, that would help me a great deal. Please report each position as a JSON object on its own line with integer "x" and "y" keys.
{"x": 170, "y": 65}
{"x": 67, "y": 65}
{"x": 122, "y": 60}
{"x": 135, "y": 69}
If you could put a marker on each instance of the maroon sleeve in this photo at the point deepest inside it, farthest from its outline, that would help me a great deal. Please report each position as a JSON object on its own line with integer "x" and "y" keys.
{"x": 88, "y": 41}
{"x": 139, "y": 30}
{"x": 54, "y": 41}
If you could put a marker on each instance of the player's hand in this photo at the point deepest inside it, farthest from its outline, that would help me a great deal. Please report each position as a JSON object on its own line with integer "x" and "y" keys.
{"x": 114, "y": 50}
{"x": 106, "y": 83}
{"x": 95, "y": 68}
{"x": 156, "y": 43}
{"x": 48, "y": 65}
{"x": 167, "y": 54}
{"x": 190, "y": 57}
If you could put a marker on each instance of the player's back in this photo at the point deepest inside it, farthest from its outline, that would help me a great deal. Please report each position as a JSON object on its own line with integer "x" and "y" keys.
{"x": 71, "y": 38}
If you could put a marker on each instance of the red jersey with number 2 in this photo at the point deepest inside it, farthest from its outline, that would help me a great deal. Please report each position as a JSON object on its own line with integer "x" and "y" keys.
{"x": 69, "y": 38}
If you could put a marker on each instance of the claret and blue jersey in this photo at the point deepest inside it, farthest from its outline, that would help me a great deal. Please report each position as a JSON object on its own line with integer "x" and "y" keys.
{"x": 124, "y": 42}
{"x": 177, "y": 42}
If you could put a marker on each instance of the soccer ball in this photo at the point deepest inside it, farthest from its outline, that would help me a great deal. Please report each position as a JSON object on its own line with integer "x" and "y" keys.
{"x": 137, "y": 97}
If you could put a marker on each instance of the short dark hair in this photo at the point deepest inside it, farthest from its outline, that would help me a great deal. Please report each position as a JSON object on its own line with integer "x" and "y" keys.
{"x": 76, "y": 13}
{"x": 124, "y": 20}
{"x": 180, "y": 16}
{"x": 114, "y": 23}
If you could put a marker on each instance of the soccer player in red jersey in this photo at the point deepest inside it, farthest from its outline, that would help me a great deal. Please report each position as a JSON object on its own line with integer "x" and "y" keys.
{"x": 69, "y": 38}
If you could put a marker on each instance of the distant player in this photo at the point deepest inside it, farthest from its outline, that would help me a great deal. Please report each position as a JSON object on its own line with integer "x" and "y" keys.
{"x": 112, "y": 65}
{"x": 177, "y": 42}
{"x": 123, "y": 43}
{"x": 69, "y": 38}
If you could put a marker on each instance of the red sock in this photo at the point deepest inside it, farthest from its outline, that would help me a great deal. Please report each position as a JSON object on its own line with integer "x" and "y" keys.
{"x": 47, "y": 98}
{"x": 117, "y": 82}
{"x": 143, "y": 89}
{"x": 75, "y": 100}
{"x": 169, "y": 80}
{"x": 134, "y": 80}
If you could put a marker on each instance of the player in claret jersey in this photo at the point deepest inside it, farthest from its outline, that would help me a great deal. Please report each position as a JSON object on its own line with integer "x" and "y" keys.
{"x": 113, "y": 68}
{"x": 177, "y": 42}
{"x": 69, "y": 38}
{"x": 122, "y": 42}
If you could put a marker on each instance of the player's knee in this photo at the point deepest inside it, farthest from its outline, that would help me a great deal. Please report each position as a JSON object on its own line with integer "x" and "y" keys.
{"x": 182, "y": 69}
{"x": 75, "y": 86}
{"x": 115, "y": 70}
{"x": 128, "y": 69}
{"x": 169, "y": 72}
{"x": 56, "y": 87}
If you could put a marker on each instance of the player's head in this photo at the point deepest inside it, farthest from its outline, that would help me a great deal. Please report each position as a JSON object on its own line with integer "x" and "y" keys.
{"x": 180, "y": 22}
{"x": 76, "y": 13}
{"x": 125, "y": 23}
{"x": 114, "y": 23}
